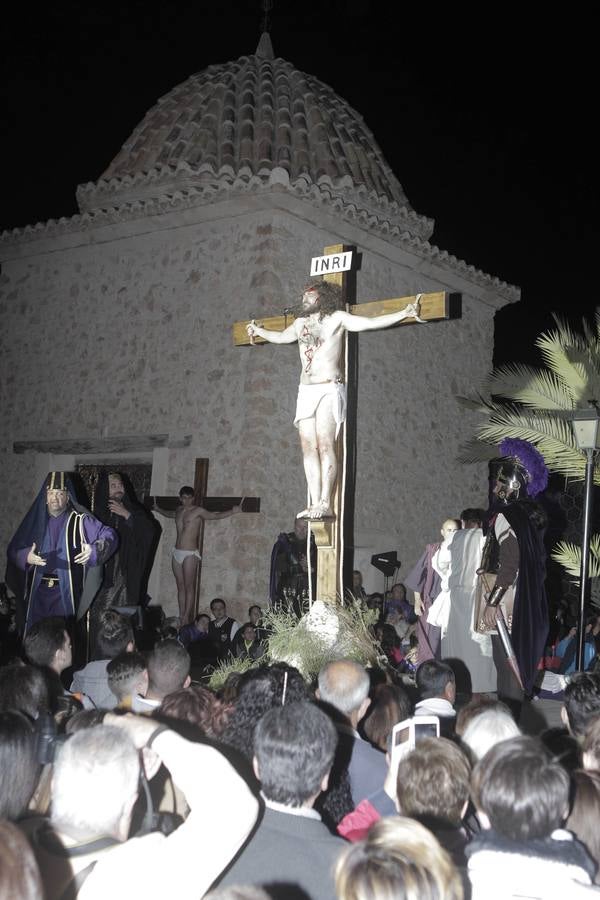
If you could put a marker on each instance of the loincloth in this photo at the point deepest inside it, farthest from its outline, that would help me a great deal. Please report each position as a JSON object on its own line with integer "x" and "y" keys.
{"x": 180, "y": 555}
{"x": 310, "y": 395}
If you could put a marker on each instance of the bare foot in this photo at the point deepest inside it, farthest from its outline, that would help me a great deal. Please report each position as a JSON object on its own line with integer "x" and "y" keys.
{"x": 305, "y": 514}
{"x": 321, "y": 510}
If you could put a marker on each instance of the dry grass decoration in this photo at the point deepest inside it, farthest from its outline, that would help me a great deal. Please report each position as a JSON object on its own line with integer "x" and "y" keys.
{"x": 325, "y": 632}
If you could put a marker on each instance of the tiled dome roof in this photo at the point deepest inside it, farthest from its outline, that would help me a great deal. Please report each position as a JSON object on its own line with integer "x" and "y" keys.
{"x": 257, "y": 117}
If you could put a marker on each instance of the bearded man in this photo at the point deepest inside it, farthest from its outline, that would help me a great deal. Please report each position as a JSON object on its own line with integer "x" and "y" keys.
{"x": 55, "y": 557}
{"x": 126, "y": 574}
{"x": 321, "y": 406}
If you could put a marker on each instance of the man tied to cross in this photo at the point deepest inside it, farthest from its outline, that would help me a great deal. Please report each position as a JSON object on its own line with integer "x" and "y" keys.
{"x": 321, "y": 406}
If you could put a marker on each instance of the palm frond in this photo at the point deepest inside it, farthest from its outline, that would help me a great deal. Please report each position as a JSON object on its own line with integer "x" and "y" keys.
{"x": 591, "y": 331}
{"x": 476, "y": 403}
{"x": 565, "y": 333}
{"x": 555, "y": 351}
{"x": 475, "y": 451}
{"x": 588, "y": 362}
{"x": 552, "y": 436}
{"x": 569, "y": 557}
{"x": 536, "y": 388}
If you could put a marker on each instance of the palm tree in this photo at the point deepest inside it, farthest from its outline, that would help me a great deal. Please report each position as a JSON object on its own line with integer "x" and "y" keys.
{"x": 520, "y": 401}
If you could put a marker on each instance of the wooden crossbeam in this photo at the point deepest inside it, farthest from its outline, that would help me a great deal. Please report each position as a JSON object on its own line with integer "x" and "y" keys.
{"x": 434, "y": 307}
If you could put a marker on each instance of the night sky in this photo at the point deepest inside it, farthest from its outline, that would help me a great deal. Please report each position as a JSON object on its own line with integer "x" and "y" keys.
{"x": 487, "y": 124}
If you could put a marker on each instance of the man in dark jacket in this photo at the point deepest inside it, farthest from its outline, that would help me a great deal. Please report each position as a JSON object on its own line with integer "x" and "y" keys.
{"x": 292, "y": 853}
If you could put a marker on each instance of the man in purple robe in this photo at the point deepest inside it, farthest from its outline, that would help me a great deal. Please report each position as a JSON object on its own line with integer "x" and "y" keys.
{"x": 424, "y": 581}
{"x": 55, "y": 557}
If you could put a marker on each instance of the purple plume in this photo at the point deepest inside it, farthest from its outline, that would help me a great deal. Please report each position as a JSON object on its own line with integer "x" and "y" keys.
{"x": 530, "y": 458}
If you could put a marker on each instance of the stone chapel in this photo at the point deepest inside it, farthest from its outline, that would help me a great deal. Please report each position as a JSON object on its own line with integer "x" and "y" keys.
{"x": 117, "y": 324}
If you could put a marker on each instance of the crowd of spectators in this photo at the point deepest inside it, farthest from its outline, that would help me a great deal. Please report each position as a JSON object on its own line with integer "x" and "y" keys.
{"x": 132, "y": 778}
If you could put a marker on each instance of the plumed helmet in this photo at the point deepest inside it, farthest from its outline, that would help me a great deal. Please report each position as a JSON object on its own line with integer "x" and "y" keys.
{"x": 520, "y": 470}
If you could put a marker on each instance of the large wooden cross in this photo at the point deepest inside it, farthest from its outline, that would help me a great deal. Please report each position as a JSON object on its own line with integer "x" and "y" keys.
{"x": 334, "y": 537}
{"x": 213, "y": 504}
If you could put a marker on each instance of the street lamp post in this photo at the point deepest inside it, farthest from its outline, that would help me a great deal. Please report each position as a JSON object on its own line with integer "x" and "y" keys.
{"x": 585, "y": 429}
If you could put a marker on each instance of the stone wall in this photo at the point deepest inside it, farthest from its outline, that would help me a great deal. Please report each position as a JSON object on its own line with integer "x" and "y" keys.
{"x": 130, "y": 334}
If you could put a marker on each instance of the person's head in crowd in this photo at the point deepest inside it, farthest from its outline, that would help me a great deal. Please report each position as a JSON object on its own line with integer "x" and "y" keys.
{"x": 47, "y": 644}
{"x": 398, "y": 594}
{"x": 390, "y": 704}
{"x": 476, "y": 705}
{"x": 219, "y": 609}
{"x": 259, "y": 690}
{"x": 433, "y": 782}
{"x": 24, "y": 688}
{"x": 449, "y": 527}
{"x": 202, "y": 621}
{"x": 19, "y": 768}
{"x": 255, "y": 614}
{"x": 19, "y": 873}
{"x": 565, "y": 748}
{"x": 375, "y": 601}
{"x": 487, "y": 729}
{"x": 294, "y": 747}
{"x": 248, "y": 633}
{"x": 197, "y": 705}
{"x": 591, "y": 746}
{"x": 520, "y": 791}
{"x": 127, "y": 675}
{"x": 288, "y": 684}
{"x": 436, "y": 679}
{"x": 95, "y": 785}
{"x": 301, "y": 529}
{"x": 472, "y": 517}
{"x": 398, "y": 860}
{"x": 115, "y": 635}
{"x": 344, "y": 685}
{"x": 584, "y": 817}
{"x": 171, "y": 627}
{"x": 581, "y": 703}
{"x": 388, "y": 637}
{"x": 168, "y": 669}
{"x": 357, "y": 583}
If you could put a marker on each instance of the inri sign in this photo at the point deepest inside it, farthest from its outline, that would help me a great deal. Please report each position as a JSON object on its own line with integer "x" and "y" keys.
{"x": 329, "y": 265}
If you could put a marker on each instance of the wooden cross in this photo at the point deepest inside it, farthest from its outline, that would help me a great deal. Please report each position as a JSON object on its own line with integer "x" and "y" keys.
{"x": 334, "y": 537}
{"x": 213, "y": 504}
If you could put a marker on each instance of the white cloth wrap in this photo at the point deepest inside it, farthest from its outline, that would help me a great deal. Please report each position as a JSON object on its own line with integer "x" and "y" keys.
{"x": 310, "y": 395}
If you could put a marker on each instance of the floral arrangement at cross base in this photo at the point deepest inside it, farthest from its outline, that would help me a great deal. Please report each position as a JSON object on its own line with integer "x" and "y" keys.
{"x": 325, "y": 632}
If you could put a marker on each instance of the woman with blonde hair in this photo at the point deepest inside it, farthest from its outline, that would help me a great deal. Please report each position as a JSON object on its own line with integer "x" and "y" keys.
{"x": 398, "y": 860}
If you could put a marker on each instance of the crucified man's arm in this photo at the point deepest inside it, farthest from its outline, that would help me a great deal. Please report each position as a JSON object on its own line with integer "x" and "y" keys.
{"x": 287, "y": 336}
{"x": 169, "y": 513}
{"x": 207, "y": 514}
{"x": 366, "y": 323}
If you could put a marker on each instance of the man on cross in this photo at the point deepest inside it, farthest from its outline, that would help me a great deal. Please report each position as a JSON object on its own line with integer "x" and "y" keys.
{"x": 185, "y": 556}
{"x": 321, "y": 407}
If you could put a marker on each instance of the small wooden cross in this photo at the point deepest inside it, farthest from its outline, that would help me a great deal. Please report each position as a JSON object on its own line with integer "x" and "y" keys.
{"x": 334, "y": 537}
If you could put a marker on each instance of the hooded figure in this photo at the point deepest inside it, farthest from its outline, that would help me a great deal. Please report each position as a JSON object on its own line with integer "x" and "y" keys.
{"x": 126, "y": 574}
{"x": 55, "y": 557}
